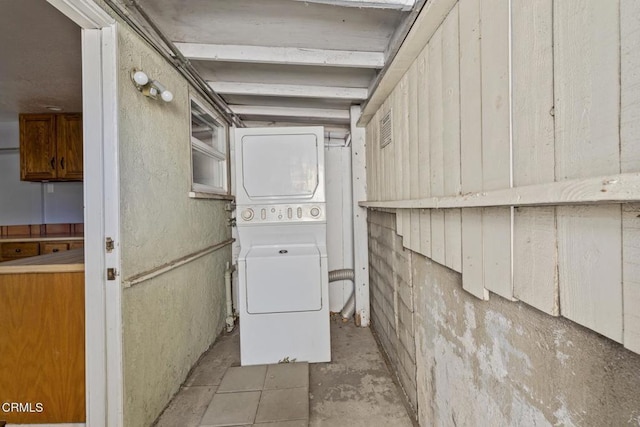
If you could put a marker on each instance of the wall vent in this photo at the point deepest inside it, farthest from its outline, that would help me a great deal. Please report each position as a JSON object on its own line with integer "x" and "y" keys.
{"x": 386, "y": 129}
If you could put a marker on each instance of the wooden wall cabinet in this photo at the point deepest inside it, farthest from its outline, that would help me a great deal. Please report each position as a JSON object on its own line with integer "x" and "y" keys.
{"x": 51, "y": 147}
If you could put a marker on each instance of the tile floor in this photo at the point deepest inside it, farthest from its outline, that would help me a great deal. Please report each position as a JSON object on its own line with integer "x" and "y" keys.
{"x": 260, "y": 395}
{"x": 355, "y": 389}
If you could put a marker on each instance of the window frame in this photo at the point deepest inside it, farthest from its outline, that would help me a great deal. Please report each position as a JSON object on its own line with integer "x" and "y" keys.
{"x": 199, "y": 190}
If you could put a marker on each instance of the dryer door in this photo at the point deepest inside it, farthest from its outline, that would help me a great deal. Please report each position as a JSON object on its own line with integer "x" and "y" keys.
{"x": 283, "y": 278}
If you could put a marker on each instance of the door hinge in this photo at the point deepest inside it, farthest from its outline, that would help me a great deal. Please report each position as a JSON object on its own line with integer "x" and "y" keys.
{"x": 111, "y": 273}
{"x": 109, "y": 244}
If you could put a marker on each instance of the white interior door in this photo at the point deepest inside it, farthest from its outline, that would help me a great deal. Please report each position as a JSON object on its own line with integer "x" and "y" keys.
{"x": 103, "y": 338}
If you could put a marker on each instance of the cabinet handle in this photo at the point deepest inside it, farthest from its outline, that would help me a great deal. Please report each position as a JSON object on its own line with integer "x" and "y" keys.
{"x": 56, "y": 250}
{"x": 18, "y": 250}
{"x": 62, "y": 163}
{"x": 53, "y": 163}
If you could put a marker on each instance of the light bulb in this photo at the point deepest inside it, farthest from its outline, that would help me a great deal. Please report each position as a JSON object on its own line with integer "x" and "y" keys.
{"x": 166, "y": 96}
{"x": 141, "y": 78}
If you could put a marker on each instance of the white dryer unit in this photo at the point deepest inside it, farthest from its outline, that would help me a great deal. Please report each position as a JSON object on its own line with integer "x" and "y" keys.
{"x": 283, "y": 297}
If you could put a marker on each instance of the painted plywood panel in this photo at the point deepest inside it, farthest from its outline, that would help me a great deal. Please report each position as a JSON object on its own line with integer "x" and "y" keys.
{"x": 414, "y": 160}
{"x": 496, "y": 231}
{"x": 389, "y": 161}
{"x": 630, "y": 82}
{"x": 436, "y": 142}
{"x": 587, "y": 88}
{"x": 376, "y": 170}
{"x": 424, "y": 172}
{"x": 536, "y": 258}
{"x": 396, "y": 190}
{"x": 451, "y": 137}
{"x": 590, "y": 253}
{"x": 471, "y": 145}
{"x": 535, "y": 248}
{"x": 630, "y": 162}
{"x": 587, "y": 113}
{"x": 533, "y": 125}
{"x": 370, "y": 161}
{"x": 378, "y": 157}
{"x": 631, "y": 276}
{"x": 472, "y": 253}
{"x": 496, "y": 151}
{"x": 403, "y": 172}
{"x": 496, "y": 143}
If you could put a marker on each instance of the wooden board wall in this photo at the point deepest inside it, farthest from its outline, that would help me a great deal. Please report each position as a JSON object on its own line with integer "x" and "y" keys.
{"x": 508, "y": 94}
{"x": 535, "y": 239}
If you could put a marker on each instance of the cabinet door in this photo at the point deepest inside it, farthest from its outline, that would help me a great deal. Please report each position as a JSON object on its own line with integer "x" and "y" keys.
{"x": 69, "y": 147}
{"x": 37, "y": 147}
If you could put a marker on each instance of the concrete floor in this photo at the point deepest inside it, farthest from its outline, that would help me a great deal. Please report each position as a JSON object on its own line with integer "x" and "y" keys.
{"x": 355, "y": 389}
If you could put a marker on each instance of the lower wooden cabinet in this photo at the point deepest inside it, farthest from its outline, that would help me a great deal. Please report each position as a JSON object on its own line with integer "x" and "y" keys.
{"x": 42, "y": 347}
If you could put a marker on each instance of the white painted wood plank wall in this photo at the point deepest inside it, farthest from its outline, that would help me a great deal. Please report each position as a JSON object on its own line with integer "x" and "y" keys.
{"x": 496, "y": 143}
{"x": 402, "y": 116}
{"x": 587, "y": 114}
{"x": 535, "y": 255}
{"x": 436, "y": 143}
{"x": 508, "y": 94}
{"x": 414, "y": 155}
{"x": 630, "y": 162}
{"x": 471, "y": 145}
{"x": 424, "y": 153}
{"x": 451, "y": 137}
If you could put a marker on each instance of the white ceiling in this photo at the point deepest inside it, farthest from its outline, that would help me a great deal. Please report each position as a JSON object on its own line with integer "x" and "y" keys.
{"x": 41, "y": 59}
{"x": 295, "y": 61}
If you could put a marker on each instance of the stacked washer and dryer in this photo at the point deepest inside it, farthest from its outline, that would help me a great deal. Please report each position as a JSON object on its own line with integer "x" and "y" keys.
{"x": 283, "y": 289}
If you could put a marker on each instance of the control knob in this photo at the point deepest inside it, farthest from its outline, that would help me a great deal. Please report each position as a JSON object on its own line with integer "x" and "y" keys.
{"x": 247, "y": 214}
{"x": 315, "y": 212}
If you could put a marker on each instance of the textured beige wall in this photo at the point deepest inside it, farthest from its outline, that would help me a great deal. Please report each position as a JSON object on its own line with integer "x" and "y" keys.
{"x": 170, "y": 320}
{"x": 498, "y": 362}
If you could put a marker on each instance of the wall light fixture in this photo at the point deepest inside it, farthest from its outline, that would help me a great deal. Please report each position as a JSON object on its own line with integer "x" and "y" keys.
{"x": 149, "y": 87}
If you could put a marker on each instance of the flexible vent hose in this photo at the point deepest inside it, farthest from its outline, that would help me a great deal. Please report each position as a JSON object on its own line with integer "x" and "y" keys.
{"x": 345, "y": 274}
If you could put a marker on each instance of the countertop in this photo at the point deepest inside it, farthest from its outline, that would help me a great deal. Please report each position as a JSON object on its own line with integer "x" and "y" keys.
{"x": 43, "y": 238}
{"x": 59, "y": 262}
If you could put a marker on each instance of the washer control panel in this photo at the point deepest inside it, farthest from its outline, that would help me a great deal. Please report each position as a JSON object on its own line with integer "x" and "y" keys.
{"x": 259, "y": 214}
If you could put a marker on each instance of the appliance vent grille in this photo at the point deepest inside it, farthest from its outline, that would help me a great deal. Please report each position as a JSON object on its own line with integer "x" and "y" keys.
{"x": 386, "y": 129}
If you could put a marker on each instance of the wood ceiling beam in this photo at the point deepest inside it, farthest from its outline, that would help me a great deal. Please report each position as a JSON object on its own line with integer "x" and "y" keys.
{"x": 378, "y": 4}
{"x": 281, "y": 55}
{"x": 291, "y": 112}
{"x": 294, "y": 91}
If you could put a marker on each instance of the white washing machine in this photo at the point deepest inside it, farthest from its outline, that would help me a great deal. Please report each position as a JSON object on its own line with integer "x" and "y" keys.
{"x": 283, "y": 293}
